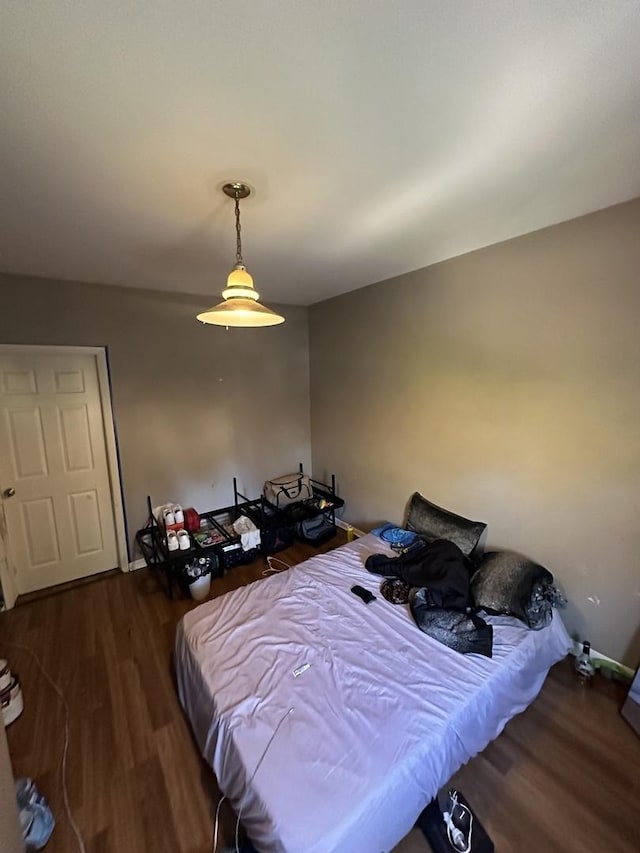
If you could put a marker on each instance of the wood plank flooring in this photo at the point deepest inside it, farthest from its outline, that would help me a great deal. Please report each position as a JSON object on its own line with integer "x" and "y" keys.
{"x": 564, "y": 776}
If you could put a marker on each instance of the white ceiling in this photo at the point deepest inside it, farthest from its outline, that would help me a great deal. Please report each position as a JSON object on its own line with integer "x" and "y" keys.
{"x": 379, "y": 135}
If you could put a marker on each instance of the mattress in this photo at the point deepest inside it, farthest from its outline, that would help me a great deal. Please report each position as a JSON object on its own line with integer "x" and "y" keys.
{"x": 330, "y": 723}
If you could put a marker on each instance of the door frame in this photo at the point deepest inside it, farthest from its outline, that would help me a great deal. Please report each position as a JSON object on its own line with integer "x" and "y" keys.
{"x": 7, "y": 571}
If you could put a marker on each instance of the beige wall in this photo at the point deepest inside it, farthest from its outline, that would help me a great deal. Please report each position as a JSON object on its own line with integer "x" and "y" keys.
{"x": 505, "y": 385}
{"x": 194, "y": 405}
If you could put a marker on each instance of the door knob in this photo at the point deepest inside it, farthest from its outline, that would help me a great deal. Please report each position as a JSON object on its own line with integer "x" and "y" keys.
{"x": 9, "y": 493}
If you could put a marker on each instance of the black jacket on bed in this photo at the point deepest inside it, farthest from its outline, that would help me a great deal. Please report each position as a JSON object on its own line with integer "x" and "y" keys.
{"x": 439, "y": 566}
{"x": 439, "y": 574}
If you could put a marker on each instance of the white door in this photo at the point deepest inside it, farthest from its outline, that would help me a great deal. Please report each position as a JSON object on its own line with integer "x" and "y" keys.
{"x": 54, "y": 476}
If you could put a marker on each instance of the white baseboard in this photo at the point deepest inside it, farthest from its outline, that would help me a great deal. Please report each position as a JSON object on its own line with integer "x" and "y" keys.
{"x": 344, "y": 525}
{"x": 137, "y": 564}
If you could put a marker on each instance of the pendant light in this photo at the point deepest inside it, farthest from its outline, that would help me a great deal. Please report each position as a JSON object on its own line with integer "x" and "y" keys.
{"x": 240, "y": 306}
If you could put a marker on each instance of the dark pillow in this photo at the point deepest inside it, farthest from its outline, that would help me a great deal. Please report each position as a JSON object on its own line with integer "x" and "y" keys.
{"x": 434, "y": 522}
{"x": 503, "y": 583}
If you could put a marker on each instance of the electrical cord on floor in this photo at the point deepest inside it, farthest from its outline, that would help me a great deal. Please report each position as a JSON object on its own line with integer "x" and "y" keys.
{"x": 63, "y": 702}
{"x": 271, "y": 570}
{"x": 253, "y": 775}
{"x": 455, "y": 835}
{"x": 215, "y": 829}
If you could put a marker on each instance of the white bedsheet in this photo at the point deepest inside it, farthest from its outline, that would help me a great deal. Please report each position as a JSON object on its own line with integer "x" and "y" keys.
{"x": 381, "y": 719}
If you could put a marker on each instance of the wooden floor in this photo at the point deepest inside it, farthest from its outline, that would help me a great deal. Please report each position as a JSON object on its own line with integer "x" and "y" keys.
{"x": 564, "y": 776}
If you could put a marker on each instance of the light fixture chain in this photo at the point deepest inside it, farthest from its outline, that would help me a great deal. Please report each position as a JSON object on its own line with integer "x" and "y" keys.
{"x": 238, "y": 238}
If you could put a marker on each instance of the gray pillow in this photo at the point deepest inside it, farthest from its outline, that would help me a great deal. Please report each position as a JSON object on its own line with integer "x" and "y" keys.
{"x": 434, "y": 522}
{"x": 504, "y": 581}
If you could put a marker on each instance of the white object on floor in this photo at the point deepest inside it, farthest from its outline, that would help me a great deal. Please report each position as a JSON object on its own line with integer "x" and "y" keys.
{"x": 184, "y": 540}
{"x": 200, "y": 587}
{"x": 172, "y": 540}
{"x": 5, "y": 675}
{"x": 12, "y": 702}
{"x": 381, "y": 702}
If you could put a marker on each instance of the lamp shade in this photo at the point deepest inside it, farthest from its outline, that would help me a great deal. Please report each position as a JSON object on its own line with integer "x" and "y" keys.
{"x": 238, "y": 311}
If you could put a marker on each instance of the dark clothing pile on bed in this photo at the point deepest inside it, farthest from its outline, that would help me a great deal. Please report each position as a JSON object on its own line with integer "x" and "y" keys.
{"x": 440, "y": 565}
{"x": 437, "y": 575}
{"x": 464, "y": 632}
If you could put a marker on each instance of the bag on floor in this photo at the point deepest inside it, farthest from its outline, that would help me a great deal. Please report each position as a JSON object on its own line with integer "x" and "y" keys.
{"x": 287, "y": 489}
{"x": 316, "y": 530}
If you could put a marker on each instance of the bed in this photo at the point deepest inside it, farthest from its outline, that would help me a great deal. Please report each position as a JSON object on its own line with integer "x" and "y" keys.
{"x": 329, "y": 723}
